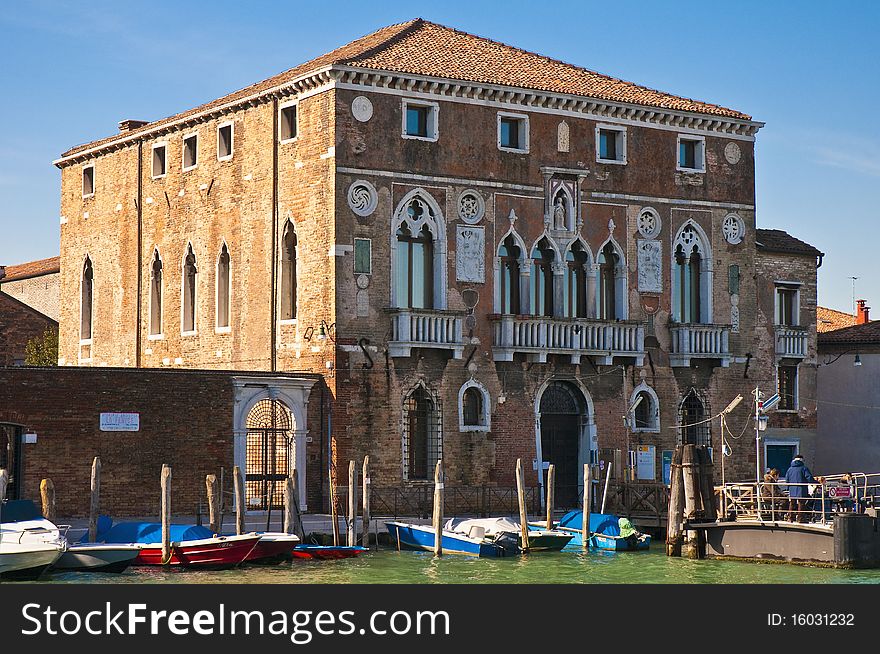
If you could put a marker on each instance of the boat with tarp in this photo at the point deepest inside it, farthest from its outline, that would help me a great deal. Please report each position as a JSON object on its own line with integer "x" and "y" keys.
{"x": 607, "y": 532}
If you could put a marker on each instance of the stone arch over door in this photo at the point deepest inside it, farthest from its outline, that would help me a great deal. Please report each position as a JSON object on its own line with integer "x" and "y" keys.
{"x": 288, "y": 392}
{"x": 565, "y": 435}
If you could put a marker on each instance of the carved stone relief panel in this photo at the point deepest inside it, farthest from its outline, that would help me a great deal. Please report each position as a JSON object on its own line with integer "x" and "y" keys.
{"x": 650, "y": 261}
{"x": 470, "y": 254}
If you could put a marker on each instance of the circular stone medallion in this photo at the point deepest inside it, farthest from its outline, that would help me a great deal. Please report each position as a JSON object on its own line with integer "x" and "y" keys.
{"x": 362, "y": 197}
{"x": 732, "y": 153}
{"x": 362, "y": 108}
{"x": 362, "y": 281}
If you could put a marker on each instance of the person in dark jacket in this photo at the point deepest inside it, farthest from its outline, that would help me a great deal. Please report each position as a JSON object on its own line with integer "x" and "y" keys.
{"x": 798, "y": 476}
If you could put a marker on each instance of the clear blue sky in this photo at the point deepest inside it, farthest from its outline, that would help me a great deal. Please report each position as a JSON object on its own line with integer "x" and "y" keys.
{"x": 810, "y": 70}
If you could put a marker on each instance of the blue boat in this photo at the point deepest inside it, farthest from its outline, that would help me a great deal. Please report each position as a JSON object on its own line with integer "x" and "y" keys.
{"x": 421, "y": 537}
{"x": 604, "y": 532}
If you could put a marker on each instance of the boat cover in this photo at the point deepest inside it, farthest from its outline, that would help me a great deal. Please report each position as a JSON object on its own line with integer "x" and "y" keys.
{"x": 600, "y": 523}
{"x": 492, "y": 526}
{"x": 19, "y": 511}
{"x": 149, "y": 533}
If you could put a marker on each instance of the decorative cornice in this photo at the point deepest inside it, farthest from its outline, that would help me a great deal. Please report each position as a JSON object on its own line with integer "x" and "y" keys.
{"x": 559, "y": 102}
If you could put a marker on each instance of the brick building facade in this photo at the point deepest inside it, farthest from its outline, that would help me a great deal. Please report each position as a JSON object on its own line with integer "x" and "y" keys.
{"x": 486, "y": 254}
{"x": 35, "y": 283}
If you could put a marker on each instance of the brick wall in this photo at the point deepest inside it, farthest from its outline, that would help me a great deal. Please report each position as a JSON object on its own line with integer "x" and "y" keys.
{"x": 19, "y": 324}
{"x": 39, "y": 292}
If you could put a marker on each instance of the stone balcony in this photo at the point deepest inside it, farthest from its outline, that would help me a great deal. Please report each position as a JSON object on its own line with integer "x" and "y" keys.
{"x": 538, "y": 336}
{"x": 791, "y": 342}
{"x": 425, "y": 328}
{"x": 694, "y": 341}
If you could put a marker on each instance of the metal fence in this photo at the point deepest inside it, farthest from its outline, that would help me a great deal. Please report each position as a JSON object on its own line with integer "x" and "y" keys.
{"x": 418, "y": 501}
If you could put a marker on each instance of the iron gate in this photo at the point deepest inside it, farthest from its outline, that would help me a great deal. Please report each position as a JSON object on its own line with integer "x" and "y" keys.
{"x": 268, "y": 454}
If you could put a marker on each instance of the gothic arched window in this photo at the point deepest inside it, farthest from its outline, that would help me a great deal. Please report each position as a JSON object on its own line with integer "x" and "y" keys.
{"x": 510, "y": 255}
{"x": 288, "y": 272}
{"x": 190, "y": 278}
{"x": 646, "y": 414}
{"x": 609, "y": 263}
{"x": 156, "y": 295}
{"x": 576, "y": 261}
{"x": 86, "y": 300}
{"x": 417, "y": 233}
{"x": 691, "y": 283}
{"x": 223, "y": 287}
{"x": 542, "y": 279}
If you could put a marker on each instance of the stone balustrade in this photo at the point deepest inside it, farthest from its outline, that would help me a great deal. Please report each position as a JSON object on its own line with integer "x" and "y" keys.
{"x": 425, "y": 328}
{"x": 791, "y": 342}
{"x": 693, "y": 341}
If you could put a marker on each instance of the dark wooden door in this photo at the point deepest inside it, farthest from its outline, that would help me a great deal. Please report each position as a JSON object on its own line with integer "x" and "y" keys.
{"x": 559, "y": 446}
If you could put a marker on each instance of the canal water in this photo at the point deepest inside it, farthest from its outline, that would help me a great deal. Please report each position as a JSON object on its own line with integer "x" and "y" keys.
{"x": 390, "y": 566}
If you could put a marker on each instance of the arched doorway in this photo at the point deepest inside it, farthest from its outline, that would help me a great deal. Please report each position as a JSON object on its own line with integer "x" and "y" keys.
{"x": 269, "y": 433}
{"x": 564, "y": 415}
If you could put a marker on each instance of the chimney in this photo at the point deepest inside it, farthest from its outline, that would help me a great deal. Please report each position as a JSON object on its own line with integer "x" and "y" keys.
{"x": 862, "y": 312}
{"x": 129, "y": 124}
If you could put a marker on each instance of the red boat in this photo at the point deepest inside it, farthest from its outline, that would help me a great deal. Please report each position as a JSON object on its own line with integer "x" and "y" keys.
{"x": 215, "y": 552}
{"x": 273, "y": 547}
{"x": 327, "y": 551}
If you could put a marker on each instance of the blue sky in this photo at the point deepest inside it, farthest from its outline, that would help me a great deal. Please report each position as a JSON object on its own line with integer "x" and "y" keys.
{"x": 810, "y": 70}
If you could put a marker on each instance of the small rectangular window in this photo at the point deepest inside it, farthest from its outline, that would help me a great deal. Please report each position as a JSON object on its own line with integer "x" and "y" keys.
{"x": 88, "y": 181}
{"x": 787, "y": 387}
{"x": 362, "y": 256}
{"x": 786, "y": 306}
{"x": 190, "y": 151}
{"x": 610, "y": 144}
{"x": 224, "y": 142}
{"x": 420, "y": 120}
{"x": 691, "y": 156}
{"x": 513, "y": 132}
{"x": 159, "y": 160}
{"x": 287, "y": 127}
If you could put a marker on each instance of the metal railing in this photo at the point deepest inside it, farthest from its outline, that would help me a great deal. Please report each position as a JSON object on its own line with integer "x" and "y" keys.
{"x": 791, "y": 341}
{"x": 541, "y": 335}
{"x": 772, "y": 501}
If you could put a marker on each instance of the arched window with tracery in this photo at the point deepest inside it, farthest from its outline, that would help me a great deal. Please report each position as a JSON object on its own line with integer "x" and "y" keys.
{"x": 609, "y": 273}
{"x": 190, "y": 286}
{"x": 422, "y": 435}
{"x": 288, "y": 272}
{"x": 86, "y": 300}
{"x": 694, "y": 429}
{"x": 418, "y": 257}
{"x": 575, "y": 275}
{"x": 691, "y": 277}
{"x": 156, "y": 295}
{"x": 223, "y": 287}
{"x": 542, "y": 278}
{"x": 509, "y": 254}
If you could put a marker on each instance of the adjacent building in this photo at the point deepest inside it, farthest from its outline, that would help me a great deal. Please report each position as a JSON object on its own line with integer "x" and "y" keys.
{"x": 486, "y": 254}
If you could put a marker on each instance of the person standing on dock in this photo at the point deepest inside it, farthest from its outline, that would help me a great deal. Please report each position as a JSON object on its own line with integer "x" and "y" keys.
{"x": 798, "y": 476}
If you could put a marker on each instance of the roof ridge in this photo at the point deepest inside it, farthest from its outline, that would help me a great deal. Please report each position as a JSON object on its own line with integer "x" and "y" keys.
{"x": 568, "y": 63}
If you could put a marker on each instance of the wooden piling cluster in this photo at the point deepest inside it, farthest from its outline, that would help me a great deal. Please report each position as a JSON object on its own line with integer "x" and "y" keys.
{"x": 691, "y": 499}
{"x": 353, "y": 537}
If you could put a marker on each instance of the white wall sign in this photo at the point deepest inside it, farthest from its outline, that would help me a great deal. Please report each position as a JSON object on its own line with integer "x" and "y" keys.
{"x": 120, "y": 422}
{"x": 645, "y": 464}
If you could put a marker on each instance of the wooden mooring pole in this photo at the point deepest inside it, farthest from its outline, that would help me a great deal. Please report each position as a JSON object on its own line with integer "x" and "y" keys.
{"x": 334, "y": 518}
{"x": 585, "y": 523}
{"x": 521, "y": 500}
{"x": 292, "y": 518}
{"x": 238, "y": 486}
{"x": 165, "y": 482}
{"x": 95, "y": 500}
{"x": 213, "y": 491}
{"x": 693, "y": 506}
{"x": 438, "y": 509}
{"x": 4, "y": 481}
{"x": 365, "y": 537}
{"x": 551, "y": 480}
{"x": 352, "y": 504}
{"x": 605, "y": 490}
{"x": 47, "y": 496}
{"x": 676, "y": 506}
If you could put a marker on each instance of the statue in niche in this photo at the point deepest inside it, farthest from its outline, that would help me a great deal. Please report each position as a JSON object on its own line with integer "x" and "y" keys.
{"x": 559, "y": 213}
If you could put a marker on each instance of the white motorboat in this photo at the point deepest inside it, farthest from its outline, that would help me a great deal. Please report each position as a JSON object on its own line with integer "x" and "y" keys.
{"x": 27, "y": 547}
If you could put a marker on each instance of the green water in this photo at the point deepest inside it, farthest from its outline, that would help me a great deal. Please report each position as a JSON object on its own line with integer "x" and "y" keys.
{"x": 390, "y": 566}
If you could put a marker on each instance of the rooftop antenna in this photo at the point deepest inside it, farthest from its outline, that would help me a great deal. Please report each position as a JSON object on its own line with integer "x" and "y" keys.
{"x": 853, "y": 294}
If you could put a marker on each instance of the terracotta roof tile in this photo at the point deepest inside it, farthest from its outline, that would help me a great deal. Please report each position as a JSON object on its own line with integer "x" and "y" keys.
{"x": 867, "y": 333}
{"x": 32, "y": 269}
{"x": 830, "y": 319}
{"x": 776, "y": 240}
{"x": 420, "y": 47}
